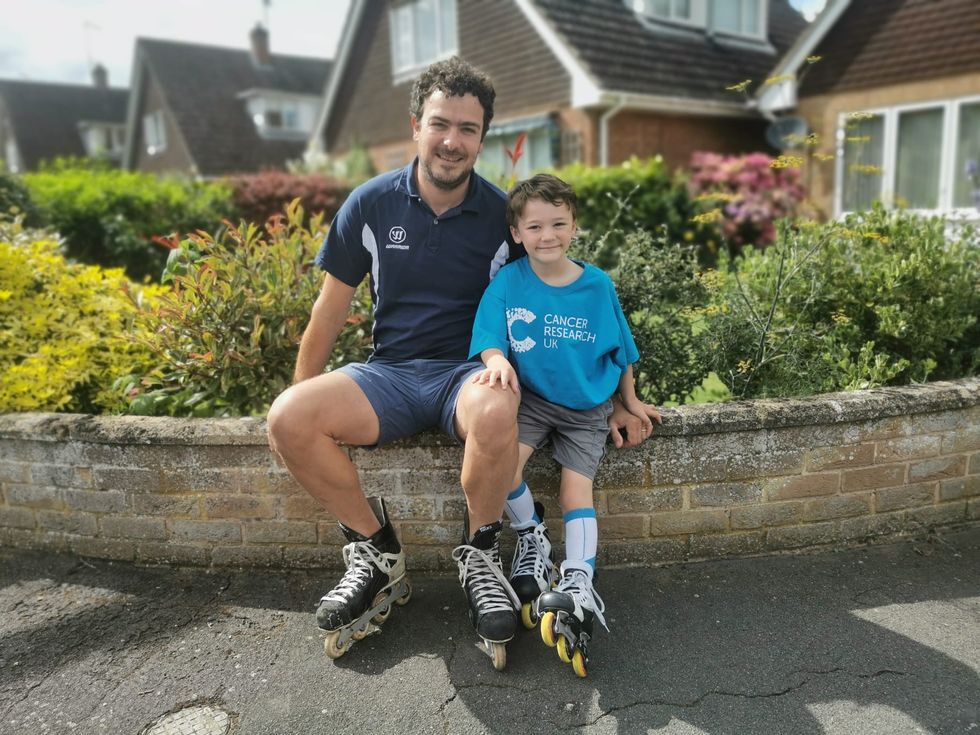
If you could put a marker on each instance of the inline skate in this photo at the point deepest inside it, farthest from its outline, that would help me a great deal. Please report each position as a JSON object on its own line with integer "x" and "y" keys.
{"x": 493, "y": 604}
{"x": 375, "y": 578}
{"x": 567, "y": 615}
{"x": 533, "y": 569}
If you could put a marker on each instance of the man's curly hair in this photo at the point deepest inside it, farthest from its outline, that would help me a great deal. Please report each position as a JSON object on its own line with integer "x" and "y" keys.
{"x": 454, "y": 77}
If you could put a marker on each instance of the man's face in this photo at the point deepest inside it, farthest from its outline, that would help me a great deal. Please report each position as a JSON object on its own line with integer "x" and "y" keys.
{"x": 449, "y": 138}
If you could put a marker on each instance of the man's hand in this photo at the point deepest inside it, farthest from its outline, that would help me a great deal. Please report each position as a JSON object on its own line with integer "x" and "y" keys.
{"x": 498, "y": 370}
{"x": 636, "y": 419}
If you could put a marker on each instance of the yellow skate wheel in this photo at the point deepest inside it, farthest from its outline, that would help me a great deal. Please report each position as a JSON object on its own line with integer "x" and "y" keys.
{"x": 332, "y": 649}
{"x": 564, "y": 649}
{"x": 383, "y": 613}
{"x": 403, "y": 600}
{"x": 527, "y": 615}
{"x": 578, "y": 664}
{"x": 548, "y": 629}
{"x": 359, "y": 635}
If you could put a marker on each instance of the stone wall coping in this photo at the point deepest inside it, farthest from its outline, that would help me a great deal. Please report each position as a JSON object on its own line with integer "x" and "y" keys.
{"x": 730, "y": 416}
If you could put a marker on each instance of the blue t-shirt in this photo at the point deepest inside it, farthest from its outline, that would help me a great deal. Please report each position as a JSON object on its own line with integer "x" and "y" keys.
{"x": 427, "y": 272}
{"x": 569, "y": 344}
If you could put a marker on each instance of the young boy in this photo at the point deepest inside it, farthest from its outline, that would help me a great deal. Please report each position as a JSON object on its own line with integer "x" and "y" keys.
{"x": 570, "y": 348}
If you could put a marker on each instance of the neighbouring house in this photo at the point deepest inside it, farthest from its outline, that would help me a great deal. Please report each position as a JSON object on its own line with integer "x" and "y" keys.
{"x": 42, "y": 121}
{"x": 894, "y": 98}
{"x": 209, "y": 111}
{"x": 593, "y": 81}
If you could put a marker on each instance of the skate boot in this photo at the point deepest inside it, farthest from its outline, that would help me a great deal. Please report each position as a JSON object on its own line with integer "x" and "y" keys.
{"x": 567, "y": 614}
{"x": 533, "y": 569}
{"x": 493, "y": 604}
{"x": 375, "y": 578}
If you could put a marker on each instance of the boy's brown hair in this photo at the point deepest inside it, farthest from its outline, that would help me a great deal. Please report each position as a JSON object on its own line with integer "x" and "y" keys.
{"x": 540, "y": 186}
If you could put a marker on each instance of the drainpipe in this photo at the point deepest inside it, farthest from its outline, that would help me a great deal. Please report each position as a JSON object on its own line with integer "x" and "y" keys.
{"x": 604, "y": 130}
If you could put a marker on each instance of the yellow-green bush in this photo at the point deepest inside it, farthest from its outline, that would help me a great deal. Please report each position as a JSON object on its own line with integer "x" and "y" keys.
{"x": 66, "y": 330}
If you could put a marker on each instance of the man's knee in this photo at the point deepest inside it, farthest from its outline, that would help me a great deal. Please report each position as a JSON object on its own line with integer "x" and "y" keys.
{"x": 491, "y": 413}
{"x": 283, "y": 423}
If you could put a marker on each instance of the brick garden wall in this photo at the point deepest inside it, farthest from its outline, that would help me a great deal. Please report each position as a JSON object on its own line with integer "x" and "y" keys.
{"x": 730, "y": 479}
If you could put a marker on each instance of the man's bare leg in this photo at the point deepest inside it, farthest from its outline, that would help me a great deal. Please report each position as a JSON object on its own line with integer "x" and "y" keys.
{"x": 486, "y": 417}
{"x": 305, "y": 424}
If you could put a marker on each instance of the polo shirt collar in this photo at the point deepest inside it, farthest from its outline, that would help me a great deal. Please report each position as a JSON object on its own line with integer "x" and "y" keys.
{"x": 409, "y": 184}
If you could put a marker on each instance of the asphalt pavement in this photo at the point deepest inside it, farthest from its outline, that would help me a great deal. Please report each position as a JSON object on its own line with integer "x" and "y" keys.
{"x": 883, "y": 640}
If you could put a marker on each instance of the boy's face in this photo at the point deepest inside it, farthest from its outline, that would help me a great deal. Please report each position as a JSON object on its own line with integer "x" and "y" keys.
{"x": 449, "y": 138}
{"x": 546, "y": 230}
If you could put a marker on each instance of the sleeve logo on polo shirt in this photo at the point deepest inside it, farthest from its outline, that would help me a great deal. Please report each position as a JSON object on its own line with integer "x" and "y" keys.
{"x": 397, "y": 237}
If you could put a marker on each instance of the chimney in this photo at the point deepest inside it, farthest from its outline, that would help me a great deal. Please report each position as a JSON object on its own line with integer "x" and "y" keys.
{"x": 100, "y": 77}
{"x": 260, "y": 45}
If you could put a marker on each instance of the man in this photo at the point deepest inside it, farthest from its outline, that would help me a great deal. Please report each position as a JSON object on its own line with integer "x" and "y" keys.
{"x": 431, "y": 235}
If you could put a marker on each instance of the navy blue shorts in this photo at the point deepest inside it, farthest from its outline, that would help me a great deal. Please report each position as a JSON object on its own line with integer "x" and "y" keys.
{"x": 410, "y": 396}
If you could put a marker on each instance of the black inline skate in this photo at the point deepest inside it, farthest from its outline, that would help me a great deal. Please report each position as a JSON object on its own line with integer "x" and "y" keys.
{"x": 375, "y": 578}
{"x": 493, "y": 604}
{"x": 567, "y": 614}
{"x": 533, "y": 569}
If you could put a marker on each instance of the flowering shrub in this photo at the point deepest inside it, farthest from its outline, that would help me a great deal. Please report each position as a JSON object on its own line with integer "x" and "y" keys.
{"x": 225, "y": 339}
{"x": 257, "y": 197}
{"x": 68, "y": 329}
{"x": 743, "y": 196}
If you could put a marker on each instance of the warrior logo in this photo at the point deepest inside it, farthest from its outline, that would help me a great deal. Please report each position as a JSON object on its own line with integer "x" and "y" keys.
{"x": 397, "y": 235}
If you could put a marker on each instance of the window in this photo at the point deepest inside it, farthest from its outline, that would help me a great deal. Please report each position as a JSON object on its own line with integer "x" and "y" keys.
{"x": 154, "y": 133}
{"x": 422, "y": 31}
{"x": 280, "y": 115}
{"x": 924, "y": 157}
{"x": 729, "y": 17}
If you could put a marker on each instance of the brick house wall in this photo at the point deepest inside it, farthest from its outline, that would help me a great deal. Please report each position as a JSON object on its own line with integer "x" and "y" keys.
{"x": 739, "y": 478}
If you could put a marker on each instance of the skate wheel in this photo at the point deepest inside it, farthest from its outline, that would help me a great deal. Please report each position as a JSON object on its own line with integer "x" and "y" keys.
{"x": 384, "y": 612}
{"x": 403, "y": 600}
{"x": 498, "y": 652}
{"x": 359, "y": 635}
{"x": 564, "y": 649}
{"x": 332, "y": 649}
{"x": 527, "y": 615}
{"x": 548, "y": 629}
{"x": 578, "y": 664}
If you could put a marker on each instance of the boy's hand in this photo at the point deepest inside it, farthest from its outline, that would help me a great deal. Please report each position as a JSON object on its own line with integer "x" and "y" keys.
{"x": 500, "y": 370}
{"x": 634, "y": 419}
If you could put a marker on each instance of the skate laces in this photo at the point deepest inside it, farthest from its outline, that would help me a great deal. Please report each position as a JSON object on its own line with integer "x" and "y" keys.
{"x": 577, "y": 584}
{"x": 530, "y": 556}
{"x": 360, "y": 557}
{"x": 482, "y": 576}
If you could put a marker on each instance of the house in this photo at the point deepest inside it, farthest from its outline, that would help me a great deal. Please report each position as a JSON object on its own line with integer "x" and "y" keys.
{"x": 41, "y": 121}
{"x": 595, "y": 81}
{"x": 894, "y": 98}
{"x": 209, "y": 111}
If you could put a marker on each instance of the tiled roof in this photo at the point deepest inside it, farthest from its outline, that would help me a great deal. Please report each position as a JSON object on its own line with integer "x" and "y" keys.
{"x": 45, "y": 116}
{"x": 880, "y": 42}
{"x": 624, "y": 54}
{"x": 202, "y": 85}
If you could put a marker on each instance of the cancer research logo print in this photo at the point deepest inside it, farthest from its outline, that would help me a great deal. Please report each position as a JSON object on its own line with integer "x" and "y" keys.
{"x": 519, "y": 315}
{"x": 396, "y": 238}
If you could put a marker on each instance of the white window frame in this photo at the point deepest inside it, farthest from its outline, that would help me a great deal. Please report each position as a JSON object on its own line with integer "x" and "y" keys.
{"x": 947, "y": 164}
{"x": 154, "y": 126}
{"x": 702, "y": 14}
{"x": 402, "y": 72}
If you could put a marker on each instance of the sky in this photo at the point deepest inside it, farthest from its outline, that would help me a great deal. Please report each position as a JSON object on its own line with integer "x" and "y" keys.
{"x": 60, "y": 40}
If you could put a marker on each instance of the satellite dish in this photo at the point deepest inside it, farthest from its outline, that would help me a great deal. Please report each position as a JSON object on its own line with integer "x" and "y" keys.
{"x": 787, "y": 133}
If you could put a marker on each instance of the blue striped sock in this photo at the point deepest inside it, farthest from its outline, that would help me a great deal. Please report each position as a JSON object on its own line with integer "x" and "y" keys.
{"x": 520, "y": 508}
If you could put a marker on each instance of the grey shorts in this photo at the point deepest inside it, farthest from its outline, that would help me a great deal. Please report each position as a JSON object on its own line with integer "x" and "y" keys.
{"x": 412, "y": 395}
{"x": 578, "y": 437}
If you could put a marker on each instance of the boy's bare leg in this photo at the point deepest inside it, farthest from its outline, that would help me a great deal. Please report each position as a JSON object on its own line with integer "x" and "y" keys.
{"x": 305, "y": 424}
{"x": 575, "y": 491}
{"x": 486, "y": 417}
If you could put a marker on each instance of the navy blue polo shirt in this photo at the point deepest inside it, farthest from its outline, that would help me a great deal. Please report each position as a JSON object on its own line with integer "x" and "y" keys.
{"x": 428, "y": 273}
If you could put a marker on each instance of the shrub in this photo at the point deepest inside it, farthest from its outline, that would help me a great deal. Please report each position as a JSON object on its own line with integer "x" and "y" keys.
{"x": 879, "y": 298}
{"x": 226, "y": 338}
{"x": 636, "y": 195}
{"x": 743, "y": 196}
{"x": 257, "y": 197}
{"x": 109, "y": 217}
{"x": 15, "y": 200}
{"x": 68, "y": 328}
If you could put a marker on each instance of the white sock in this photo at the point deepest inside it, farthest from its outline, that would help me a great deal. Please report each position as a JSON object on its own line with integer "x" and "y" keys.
{"x": 581, "y": 539}
{"x": 520, "y": 508}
